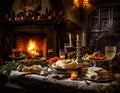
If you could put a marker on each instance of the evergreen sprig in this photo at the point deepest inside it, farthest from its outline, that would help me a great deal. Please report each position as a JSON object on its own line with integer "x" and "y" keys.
{"x": 9, "y": 66}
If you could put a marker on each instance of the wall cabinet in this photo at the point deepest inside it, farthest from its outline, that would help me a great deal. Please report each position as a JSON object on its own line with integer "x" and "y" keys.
{"x": 101, "y": 22}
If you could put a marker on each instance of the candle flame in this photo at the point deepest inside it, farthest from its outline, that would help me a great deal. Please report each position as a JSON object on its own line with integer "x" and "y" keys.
{"x": 74, "y": 75}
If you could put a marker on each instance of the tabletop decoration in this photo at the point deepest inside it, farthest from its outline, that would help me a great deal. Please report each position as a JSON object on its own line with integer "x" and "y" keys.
{"x": 78, "y": 58}
{"x": 62, "y": 78}
{"x": 41, "y": 72}
{"x": 74, "y": 75}
{"x": 70, "y": 39}
{"x": 6, "y": 69}
{"x": 83, "y": 43}
{"x": 96, "y": 59}
{"x": 110, "y": 52}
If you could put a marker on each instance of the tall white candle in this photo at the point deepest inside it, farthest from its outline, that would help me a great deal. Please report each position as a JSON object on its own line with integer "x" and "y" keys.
{"x": 70, "y": 39}
{"x": 83, "y": 40}
{"x": 77, "y": 37}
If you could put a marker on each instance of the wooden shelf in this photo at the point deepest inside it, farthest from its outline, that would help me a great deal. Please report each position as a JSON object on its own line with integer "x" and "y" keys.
{"x": 36, "y": 22}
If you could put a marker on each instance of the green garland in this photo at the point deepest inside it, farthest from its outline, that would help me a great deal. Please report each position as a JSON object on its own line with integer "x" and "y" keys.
{"x": 12, "y": 65}
{"x": 9, "y": 66}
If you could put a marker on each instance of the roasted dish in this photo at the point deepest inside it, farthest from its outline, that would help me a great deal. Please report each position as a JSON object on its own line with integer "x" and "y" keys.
{"x": 65, "y": 64}
{"x": 24, "y": 68}
{"x": 96, "y": 56}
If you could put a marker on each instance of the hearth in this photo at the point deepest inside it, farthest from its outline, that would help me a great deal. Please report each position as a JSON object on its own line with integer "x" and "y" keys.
{"x": 32, "y": 42}
{"x": 35, "y": 39}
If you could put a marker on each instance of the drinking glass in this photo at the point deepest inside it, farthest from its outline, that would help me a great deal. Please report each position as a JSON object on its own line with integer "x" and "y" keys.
{"x": 62, "y": 54}
{"x": 68, "y": 49}
{"x": 110, "y": 52}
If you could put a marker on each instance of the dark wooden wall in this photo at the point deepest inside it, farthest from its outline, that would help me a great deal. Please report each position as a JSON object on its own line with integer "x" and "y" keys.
{"x": 104, "y": 27}
{"x": 57, "y": 5}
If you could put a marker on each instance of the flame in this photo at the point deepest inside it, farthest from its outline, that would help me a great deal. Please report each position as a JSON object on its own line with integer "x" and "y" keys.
{"x": 32, "y": 47}
{"x": 74, "y": 75}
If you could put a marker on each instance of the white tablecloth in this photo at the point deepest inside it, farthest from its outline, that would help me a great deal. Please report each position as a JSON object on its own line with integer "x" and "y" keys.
{"x": 108, "y": 87}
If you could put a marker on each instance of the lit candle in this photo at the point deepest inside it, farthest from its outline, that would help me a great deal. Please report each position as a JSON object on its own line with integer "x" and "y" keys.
{"x": 70, "y": 39}
{"x": 77, "y": 37}
{"x": 74, "y": 75}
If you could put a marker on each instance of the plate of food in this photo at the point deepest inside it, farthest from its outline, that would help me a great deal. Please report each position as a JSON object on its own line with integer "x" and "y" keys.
{"x": 65, "y": 64}
{"x": 96, "y": 56}
{"x": 111, "y": 78}
{"x": 98, "y": 74}
{"x": 24, "y": 68}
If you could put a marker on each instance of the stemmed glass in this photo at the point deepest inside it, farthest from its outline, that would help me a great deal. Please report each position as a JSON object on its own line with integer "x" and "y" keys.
{"x": 110, "y": 52}
{"x": 93, "y": 63}
{"x": 68, "y": 49}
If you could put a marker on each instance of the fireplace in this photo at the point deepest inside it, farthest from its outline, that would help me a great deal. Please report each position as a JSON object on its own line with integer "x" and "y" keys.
{"x": 36, "y": 42}
{"x": 43, "y": 38}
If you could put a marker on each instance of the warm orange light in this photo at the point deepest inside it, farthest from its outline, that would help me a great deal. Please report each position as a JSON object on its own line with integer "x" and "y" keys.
{"x": 76, "y": 2}
{"x": 32, "y": 48}
{"x": 85, "y": 1}
{"x": 74, "y": 75}
{"x": 31, "y": 45}
{"x": 79, "y": 3}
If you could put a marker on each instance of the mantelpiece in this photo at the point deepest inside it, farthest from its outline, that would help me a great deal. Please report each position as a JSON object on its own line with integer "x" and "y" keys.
{"x": 16, "y": 35}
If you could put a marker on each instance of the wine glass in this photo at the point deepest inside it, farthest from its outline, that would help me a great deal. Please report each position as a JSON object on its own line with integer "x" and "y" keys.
{"x": 110, "y": 52}
{"x": 68, "y": 49}
{"x": 62, "y": 54}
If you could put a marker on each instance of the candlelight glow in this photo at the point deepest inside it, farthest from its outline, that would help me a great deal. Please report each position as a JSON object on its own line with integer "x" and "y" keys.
{"x": 74, "y": 75}
{"x": 79, "y": 3}
{"x": 76, "y": 2}
{"x": 85, "y": 1}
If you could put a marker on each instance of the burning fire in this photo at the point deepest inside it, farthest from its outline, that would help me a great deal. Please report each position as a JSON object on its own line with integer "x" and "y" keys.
{"x": 32, "y": 48}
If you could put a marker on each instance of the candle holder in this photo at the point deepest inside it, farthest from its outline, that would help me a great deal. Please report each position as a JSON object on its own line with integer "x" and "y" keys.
{"x": 78, "y": 57}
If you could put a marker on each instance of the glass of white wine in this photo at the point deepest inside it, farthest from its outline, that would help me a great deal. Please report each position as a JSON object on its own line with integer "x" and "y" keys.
{"x": 110, "y": 52}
